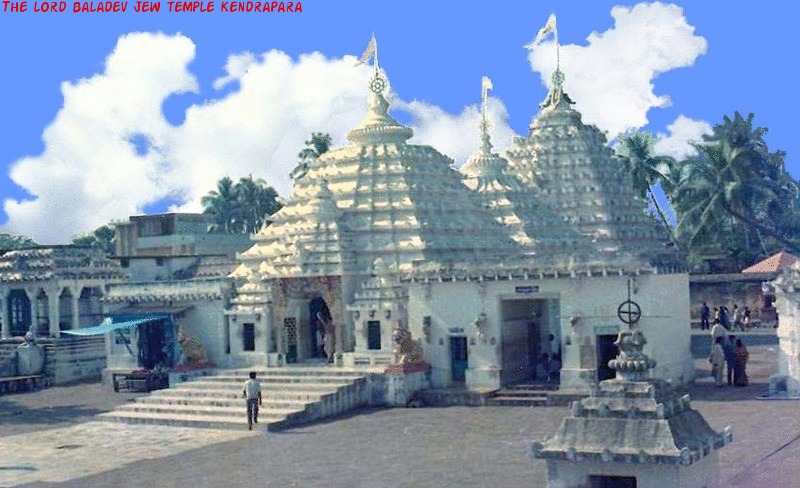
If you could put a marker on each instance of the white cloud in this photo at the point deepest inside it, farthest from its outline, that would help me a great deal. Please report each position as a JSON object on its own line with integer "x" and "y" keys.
{"x": 458, "y": 136}
{"x": 611, "y": 78}
{"x": 91, "y": 171}
{"x": 681, "y": 132}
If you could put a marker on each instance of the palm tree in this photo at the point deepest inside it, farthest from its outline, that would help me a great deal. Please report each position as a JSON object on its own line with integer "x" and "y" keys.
{"x": 735, "y": 191}
{"x": 223, "y": 208}
{"x": 318, "y": 145}
{"x": 635, "y": 150}
{"x": 256, "y": 200}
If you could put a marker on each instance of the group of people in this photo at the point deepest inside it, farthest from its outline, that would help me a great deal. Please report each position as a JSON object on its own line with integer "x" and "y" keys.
{"x": 728, "y": 350}
{"x": 738, "y": 318}
{"x": 547, "y": 366}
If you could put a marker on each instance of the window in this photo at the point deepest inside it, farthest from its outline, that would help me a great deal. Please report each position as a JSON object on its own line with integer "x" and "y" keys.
{"x": 159, "y": 261}
{"x": 125, "y": 262}
{"x": 249, "y": 337}
{"x": 374, "y": 334}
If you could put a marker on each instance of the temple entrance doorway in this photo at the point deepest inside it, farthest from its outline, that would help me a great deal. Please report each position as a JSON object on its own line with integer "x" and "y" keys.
{"x": 459, "y": 361}
{"x": 606, "y": 351}
{"x": 154, "y": 345}
{"x": 319, "y": 323}
{"x": 531, "y": 340}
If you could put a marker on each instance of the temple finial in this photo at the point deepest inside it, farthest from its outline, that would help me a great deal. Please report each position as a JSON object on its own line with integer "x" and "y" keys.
{"x": 486, "y": 145}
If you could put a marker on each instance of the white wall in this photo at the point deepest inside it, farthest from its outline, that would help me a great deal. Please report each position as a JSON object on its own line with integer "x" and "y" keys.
{"x": 664, "y": 300}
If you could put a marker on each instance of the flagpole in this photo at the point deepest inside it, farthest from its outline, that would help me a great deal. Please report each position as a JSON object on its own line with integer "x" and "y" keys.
{"x": 558, "y": 54}
{"x": 376, "y": 53}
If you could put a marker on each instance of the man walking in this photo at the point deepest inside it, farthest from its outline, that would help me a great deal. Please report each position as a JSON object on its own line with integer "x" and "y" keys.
{"x": 252, "y": 392}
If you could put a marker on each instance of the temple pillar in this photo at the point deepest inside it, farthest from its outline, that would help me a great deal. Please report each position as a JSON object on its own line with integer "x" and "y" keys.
{"x": 5, "y": 318}
{"x": 53, "y": 312}
{"x": 76, "y": 312}
{"x": 269, "y": 325}
{"x": 31, "y": 293}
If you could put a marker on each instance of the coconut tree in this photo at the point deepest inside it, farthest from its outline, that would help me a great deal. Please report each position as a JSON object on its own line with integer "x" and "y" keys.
{"x": 256, "y": 200}
{"x": 222, "y": 205}
{"x": 735, "y": 192}
{"x": 635, "y": 151}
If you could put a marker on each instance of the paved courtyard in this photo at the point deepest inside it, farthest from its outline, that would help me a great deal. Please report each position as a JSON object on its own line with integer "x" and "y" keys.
{"x": 47, "y": 441}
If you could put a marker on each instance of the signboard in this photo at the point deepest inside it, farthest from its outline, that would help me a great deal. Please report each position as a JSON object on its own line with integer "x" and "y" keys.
{"x": 606, "y": 329}
{"x": 456, "y": 330}
{"x": 526, "y": 289}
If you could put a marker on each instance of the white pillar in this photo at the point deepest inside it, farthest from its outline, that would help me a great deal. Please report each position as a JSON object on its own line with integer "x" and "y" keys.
{"x": 53, "y": 312}
{"x": 76, "y": 312}
{"x": 31, "y": 293}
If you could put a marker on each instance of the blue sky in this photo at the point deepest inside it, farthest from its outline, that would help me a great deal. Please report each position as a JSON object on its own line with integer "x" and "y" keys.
{"x": 101, "y": 121}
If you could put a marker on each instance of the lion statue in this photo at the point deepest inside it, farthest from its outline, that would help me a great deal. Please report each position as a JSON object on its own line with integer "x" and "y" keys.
{"x": 192, "y": 350}
{"x": 406, "y": 349}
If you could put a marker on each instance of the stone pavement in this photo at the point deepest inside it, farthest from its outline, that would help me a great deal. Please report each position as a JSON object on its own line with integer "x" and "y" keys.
{"x": 400, "y": 448}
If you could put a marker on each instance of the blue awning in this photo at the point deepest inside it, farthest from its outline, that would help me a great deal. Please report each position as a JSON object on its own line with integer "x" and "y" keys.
{"x": 108, "y": 326}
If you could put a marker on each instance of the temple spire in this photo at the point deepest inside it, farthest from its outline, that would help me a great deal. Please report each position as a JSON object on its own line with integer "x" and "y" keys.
{"x": 486, "y": 145}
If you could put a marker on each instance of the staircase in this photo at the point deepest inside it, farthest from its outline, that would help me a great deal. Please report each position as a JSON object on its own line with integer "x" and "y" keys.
{"x": 291, "y": 396}
{"x": 523, "y": 395}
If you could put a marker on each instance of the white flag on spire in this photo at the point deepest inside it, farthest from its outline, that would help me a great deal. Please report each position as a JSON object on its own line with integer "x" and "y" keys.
{"x": 549, "y": 27}
{"x": 368, "y": 52}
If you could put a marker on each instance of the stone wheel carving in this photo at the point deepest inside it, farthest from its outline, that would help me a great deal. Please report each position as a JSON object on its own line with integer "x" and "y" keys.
{"x": 377, "y": 84}
{"x": 629, "y": 312}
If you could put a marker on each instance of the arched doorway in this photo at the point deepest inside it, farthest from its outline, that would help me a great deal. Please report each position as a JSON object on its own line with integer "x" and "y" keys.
{"x": 19, "y": 313}
{"x": 319, "y": 316}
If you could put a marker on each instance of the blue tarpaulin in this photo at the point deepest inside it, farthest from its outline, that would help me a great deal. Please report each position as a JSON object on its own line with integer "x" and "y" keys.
{"x": 109, "y": 326}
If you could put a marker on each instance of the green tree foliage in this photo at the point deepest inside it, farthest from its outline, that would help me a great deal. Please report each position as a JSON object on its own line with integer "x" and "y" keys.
{"x": 222, "y": 206}
{"x": 635, "y": 151}
{"x": 101, "y": 238}
{"x": 734, "y": 197}
{"x": 318, "y": 145}
{"x": 9, "y": 242}
{"x": 241, "y": 207}
{"x": 737, "y": 195}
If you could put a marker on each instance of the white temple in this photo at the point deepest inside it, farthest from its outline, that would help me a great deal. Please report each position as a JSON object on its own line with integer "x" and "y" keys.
{"x": 479, "y": 265}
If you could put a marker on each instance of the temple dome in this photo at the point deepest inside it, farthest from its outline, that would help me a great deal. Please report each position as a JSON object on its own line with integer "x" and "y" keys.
{"x": 386, "y": 198}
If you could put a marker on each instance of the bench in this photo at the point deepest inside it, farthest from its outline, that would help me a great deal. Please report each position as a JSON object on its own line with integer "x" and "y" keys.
{"x": 12, "y": 384}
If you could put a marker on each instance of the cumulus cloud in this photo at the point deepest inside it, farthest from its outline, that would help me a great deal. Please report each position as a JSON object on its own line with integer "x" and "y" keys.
{"x": 611, "y": 77}
{"x": 458, "y": 135}
{"x": 90, "y": 170}
{"x": 682, "y": 131}
{"x": 110, "y": 152}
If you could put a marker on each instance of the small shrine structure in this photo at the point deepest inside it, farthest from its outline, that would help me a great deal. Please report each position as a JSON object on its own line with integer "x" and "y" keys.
{"x": 786, "y": 289}
{"x": 633, "y": 431}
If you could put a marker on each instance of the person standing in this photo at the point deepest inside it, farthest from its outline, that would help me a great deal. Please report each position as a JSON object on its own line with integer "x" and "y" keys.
{"x": 717, "y": 331}
{"x": 737, "y": 318}
{"x": 729, "y": 348}
{"x": 705, "y": 315}
{"x": 742, "y": 356}
{"x": 252, "y": 392}
{"x": 724, "y": 318}
{"x": 717, "y": 360}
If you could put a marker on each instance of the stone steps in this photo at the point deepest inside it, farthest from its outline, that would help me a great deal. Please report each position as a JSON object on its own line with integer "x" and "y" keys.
{"x": 522, "y": 395}
{"x": 185, "y": 420}
{"x": 291, "y": 396}
{"x": 238, "y": 403}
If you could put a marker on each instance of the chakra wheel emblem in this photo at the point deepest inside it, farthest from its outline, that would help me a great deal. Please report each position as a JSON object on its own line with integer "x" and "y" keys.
{"x": 377, "y": 85}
